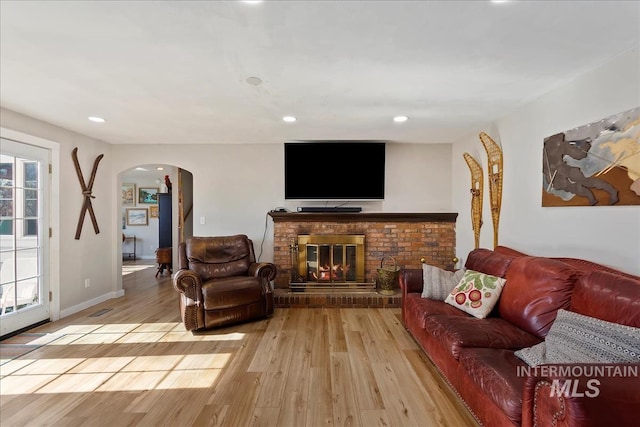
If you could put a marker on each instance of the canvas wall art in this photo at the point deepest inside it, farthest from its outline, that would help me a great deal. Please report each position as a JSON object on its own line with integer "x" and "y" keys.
{"x": 128, "y": 195}
{"x": 597, "y": 164}
{"x": 137, "y": 216}
{"x": 148, "y": 196}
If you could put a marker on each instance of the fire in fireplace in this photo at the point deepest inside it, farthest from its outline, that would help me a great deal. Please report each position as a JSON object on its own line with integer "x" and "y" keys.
{"x": 331, "y": 263}
{"x": 329, "y": 260}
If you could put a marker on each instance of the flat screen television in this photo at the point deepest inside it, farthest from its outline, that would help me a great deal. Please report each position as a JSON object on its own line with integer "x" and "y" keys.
{"x": 334, "y": 170}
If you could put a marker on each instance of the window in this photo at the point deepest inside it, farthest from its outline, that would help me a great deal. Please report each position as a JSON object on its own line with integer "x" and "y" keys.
{"x": 30, "y": 199}
{"x": 6, "y": 198}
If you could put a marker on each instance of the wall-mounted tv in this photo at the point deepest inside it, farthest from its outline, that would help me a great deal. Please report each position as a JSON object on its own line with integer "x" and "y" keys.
{"x": 334, "y": 170}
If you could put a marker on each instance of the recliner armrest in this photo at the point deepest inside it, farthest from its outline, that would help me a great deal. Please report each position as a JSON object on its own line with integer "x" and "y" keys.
{"x": 263, "y": 269}
{"x": 189, "y": 283}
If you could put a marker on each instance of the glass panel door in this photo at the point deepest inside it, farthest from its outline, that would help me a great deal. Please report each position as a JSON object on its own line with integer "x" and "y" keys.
{"x": 24, "y": 224}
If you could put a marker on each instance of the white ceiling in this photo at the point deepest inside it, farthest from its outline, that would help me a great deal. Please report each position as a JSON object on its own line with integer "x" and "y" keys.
{"x": 175, "y": 71}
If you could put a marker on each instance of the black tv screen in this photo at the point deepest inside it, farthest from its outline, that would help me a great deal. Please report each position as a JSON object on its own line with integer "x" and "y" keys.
{"x": 334, "y": 170}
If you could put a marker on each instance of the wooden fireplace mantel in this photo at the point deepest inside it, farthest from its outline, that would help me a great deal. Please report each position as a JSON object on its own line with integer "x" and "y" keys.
{"x": 363, "y": 216}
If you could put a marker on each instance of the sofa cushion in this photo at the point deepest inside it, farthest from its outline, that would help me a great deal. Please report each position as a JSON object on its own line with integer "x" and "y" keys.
{"x": 476, "y": 294}
{"x": 494, "y": 371}
{"x": 575, "y": 338}
{"x": 488, "y": 262}
{"x": 420, "y": 308}
{"x": 438, "y": 282}
{"x": 608, "y": 297}
{"x": 536, "y": 289}
{"x": 456, "y": 332}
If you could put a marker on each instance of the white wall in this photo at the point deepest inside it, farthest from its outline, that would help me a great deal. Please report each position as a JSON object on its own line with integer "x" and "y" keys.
{"x": 605, "y": 234}
{"x": 92, "y": 256}
{"x": 418, "y": 178}
{"x": 235, "y": 186}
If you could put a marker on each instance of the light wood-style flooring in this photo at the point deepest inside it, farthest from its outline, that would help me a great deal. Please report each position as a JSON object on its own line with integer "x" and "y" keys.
{"x": 129, "y": 362}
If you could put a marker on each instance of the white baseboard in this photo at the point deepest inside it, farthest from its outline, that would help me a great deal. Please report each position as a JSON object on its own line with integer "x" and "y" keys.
{"x": 90, "y": 303}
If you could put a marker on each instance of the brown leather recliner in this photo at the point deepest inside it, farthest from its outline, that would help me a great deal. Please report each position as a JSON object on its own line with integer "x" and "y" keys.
{"x": 221, "y": 283}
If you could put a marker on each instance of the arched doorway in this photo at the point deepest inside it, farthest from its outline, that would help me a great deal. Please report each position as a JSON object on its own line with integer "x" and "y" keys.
{"x": 143, "y": 187}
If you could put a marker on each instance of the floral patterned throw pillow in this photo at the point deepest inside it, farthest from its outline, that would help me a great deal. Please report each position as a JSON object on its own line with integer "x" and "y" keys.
{"x": 477, "y": 293}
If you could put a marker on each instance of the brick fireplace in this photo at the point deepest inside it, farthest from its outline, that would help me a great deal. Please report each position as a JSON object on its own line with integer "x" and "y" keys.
{"x": 407, "y": 237}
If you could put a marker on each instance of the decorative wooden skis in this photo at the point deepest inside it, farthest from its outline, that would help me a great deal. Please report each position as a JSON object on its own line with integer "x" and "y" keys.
{"x": 86, "y": 192}
{"x": 476, "y": 195}
{"x": 494, "y": 158}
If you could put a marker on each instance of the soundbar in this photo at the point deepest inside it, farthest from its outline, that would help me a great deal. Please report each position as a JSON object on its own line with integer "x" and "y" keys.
{"x": 316, "y": 209}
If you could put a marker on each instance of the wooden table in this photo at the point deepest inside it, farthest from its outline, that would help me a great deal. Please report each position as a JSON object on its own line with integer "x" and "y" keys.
{"x": 125, "y": 239}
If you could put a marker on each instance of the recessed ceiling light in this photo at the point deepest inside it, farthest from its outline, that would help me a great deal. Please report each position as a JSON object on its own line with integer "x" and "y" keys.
{"x": 400, "y": 119}
{"x": 255, "y": 81}
{"x": 289, "y": 119}
{"x": 96, "y": 119}
{"x": 252, "y": 1}
{"x": 141, "y": 169}
{"x": 159, "y": 168}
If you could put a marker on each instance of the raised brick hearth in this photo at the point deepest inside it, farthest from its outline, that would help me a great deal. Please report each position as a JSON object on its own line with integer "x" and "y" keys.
{"x": 288, "y": 299}
{"x": 407, "y": 237}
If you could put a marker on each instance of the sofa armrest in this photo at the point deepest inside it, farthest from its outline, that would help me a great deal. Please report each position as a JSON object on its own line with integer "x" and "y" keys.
{"x": 588, "y": 399}
{"x": 411, "y": 280}
{"x": 263, "y": 269}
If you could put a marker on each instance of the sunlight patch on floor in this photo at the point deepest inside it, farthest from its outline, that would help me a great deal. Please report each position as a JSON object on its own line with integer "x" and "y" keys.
{"x": 123, "y": 334}
{"x": 128, "y": 269}
{"x": 142, "y": 337}
{"x": 127, "y": 373}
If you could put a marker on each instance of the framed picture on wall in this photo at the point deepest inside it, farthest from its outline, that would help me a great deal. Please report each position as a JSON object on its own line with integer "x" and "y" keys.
{"x": 128, "y": 195}
{"x": 154, "y": 212}
{"x": 137, "y": 216}
{"x": 148, "y": 195}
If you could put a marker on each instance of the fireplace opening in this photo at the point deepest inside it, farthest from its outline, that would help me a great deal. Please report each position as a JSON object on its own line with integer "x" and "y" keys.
{"x": 329, "y": 262}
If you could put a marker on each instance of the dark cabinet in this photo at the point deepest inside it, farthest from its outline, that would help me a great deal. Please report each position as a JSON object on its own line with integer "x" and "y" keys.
{"x": 164, "y": 220}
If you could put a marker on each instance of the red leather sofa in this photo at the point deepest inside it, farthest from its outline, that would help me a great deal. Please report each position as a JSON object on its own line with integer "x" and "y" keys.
{"x": 476, "y": 356}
